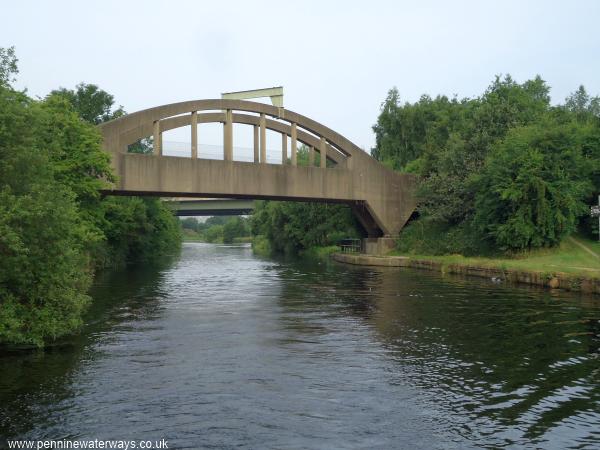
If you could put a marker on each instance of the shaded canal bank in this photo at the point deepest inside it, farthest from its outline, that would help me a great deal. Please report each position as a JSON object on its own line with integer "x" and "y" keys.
{"x": 223, "y": 349}
{"x": 549, "y": 279}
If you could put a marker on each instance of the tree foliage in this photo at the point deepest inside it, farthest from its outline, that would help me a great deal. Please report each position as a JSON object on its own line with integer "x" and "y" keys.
{"x": 8, "y": 66}
{"x": 134, "y": 230}
{"x": 291, "y": 227}
{"x": 190, "y": 223}
{"x": 235, "y": 227}
{"x": 43, "y": 267}
{"x": 55, "y": 228}
{"x": 218, "y": 228}
{"x": 92, "y": 103}
{"x": 532, "y": 189}
{"x": 508, "y": 159}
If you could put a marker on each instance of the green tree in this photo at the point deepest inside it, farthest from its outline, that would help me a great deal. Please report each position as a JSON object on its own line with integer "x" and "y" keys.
{"x": 446, "y": 191}
{"x": 235, "y": 227}
{"x": 54, "y": 225}
{"x": 44, "y": 270}
{"x": 8, "y": 66}
{"x": 533, "y": 187}
{"x": 216, "y": 220}
{"x": 584, "y": 106}
{"x": 291, "y": 227}
{"x": 214, "y": 233}
{"x": 75, "y": 151}
{"x": 404, "y": 133}
{"x": 454, "y": 145}
{"x": 93, "y": 104}
{"x": 138, "y": 229}
{"x": 86, "y": 168}
{"x": 96, "y": 106}
{"x": 189, "y": 223}
{"x": 43, "y": 267}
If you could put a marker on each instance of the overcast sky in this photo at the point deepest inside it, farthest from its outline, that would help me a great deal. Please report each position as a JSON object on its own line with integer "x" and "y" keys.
{"x": 336, "y": 60}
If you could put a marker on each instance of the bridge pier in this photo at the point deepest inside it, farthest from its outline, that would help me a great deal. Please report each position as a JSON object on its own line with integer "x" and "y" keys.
{"x": 379, "y": 246}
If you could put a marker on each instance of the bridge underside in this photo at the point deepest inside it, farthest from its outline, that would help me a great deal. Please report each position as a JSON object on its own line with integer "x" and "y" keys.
{"x": 212, "y": 207}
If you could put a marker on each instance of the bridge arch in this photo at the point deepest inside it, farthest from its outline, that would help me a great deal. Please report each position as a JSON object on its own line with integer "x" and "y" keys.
{"x": 381, "y": 199}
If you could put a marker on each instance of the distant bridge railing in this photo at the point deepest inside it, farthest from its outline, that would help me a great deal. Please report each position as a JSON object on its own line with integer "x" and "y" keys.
{"x": 351, "y": 245}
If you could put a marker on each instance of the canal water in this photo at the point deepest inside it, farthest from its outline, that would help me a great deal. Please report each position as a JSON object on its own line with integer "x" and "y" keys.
{"x": 223, "y": 349}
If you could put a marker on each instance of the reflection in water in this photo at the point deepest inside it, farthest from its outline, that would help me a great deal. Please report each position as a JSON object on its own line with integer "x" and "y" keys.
{"x": 224, "y": 349}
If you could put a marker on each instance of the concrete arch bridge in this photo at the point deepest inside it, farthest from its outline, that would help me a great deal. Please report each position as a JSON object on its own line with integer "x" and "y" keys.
{"x": 381, "y": 199}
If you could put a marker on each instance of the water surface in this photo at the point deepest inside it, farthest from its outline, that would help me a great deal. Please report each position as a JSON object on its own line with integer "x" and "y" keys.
{"x": 223, "y": 349}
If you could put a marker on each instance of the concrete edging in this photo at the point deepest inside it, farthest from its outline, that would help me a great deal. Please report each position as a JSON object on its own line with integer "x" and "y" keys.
{"x": 553, "y": 280}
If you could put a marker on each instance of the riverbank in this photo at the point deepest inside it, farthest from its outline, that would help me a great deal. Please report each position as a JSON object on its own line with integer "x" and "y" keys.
{"x": 575, "y": 266}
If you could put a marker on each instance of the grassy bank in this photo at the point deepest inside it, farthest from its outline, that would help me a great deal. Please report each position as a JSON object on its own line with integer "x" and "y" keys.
{"x": 192, "y": 236}
{"x": 262, "y": 247}
{"x": 320, "y": 252}
{"x": 575, "y": 255}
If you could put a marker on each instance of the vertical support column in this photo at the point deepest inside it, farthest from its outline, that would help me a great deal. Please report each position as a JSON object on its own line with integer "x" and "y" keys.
{"x": 228, "y": 136}
{"x": 323, "y": 151}
{"x": 294, "y": 149}
{"x": 256, "y": 154}
{"x": 311, "y": 156}
{"x": 263, "y": 139}
{"x": 194, "y": 123}
{"x": 157, "y": 139}
{"x": 283, "y": 148}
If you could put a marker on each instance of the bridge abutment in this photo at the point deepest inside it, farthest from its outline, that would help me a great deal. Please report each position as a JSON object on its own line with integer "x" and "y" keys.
{"x": 379, "y": 246}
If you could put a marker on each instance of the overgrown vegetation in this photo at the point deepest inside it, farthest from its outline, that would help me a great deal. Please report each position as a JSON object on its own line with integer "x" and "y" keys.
{"x": 506, "y": 171}
{"x": 55, "y": 227}
{"x": 291, "y": 227}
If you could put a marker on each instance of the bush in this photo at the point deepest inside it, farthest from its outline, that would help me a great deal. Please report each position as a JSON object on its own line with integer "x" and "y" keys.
{"x": 44, "y": 268}
{"x": 427, "y": 237}
{"x": 235, "y": 227}
{"x": 214, "y": 233}
{"x": 54, "y": 226}
{"x": 291, "y": 227}
{"x": 261, "y": 246}
{"x": 533, "y": 187}
{"x": 44, "y": 271}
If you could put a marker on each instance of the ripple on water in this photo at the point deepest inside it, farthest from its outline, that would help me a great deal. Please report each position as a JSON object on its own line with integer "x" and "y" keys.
{"x": 223, "y": 349}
